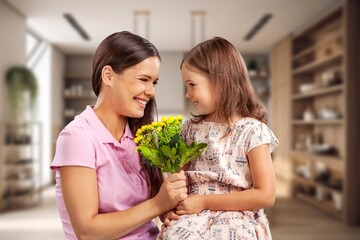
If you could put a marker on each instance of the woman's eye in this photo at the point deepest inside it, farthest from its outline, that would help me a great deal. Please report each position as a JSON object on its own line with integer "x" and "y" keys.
{"x": 155, "y": 83}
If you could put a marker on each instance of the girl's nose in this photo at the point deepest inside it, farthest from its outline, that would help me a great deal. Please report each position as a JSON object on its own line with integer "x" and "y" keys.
{"x": 187, "y": 94}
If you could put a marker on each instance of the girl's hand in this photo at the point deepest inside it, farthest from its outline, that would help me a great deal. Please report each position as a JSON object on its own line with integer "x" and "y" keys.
{"x": 191, "y": 205}
{"x": 172, "y": 191}
{"x": 168, "y": 217}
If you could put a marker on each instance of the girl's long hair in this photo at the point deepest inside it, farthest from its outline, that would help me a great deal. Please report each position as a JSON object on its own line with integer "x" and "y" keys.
{"x": 226, "y": 70}
{"x": 121, "y": 51}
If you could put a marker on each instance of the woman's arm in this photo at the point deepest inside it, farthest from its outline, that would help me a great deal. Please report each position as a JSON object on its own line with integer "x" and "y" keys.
{"x": 262, "y": 195}
{"x": 80, "y": 193}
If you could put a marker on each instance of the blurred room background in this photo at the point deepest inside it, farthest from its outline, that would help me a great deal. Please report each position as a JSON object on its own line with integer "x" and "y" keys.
{"x": 302, "y": 58}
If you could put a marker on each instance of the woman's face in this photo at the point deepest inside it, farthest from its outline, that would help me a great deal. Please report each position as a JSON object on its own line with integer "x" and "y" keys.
{"x": 199, "y": 91}
{"x": 133, "y": 88}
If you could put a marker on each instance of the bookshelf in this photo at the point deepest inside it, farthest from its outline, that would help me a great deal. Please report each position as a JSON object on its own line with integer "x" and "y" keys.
{"x": 20, "y": 176}
{"x": 323, "y": 145}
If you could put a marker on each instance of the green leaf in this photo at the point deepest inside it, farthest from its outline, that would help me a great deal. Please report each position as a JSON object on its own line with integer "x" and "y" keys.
{"x": 174, "y": 140}
{"x": 182, "y": 148}
{"x": 150, "y": 154}
{"x": 167, "y": 152}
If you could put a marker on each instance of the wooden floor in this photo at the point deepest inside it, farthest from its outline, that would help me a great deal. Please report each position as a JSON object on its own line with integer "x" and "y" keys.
{"x": 292, "y": 219}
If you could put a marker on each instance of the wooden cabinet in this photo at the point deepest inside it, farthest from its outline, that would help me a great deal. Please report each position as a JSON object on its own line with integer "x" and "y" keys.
{"x": 78, "y": 94}
{"x": 323, "y": 152}
{"x": 20, "y": 175}
{"x": 280, "y": 118}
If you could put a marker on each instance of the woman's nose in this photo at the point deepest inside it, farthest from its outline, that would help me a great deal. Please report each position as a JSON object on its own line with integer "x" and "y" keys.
{"x": 150, "y": 90}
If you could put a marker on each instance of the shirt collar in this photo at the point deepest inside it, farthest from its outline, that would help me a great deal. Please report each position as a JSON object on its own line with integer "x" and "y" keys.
{"x": 102, "y": 132}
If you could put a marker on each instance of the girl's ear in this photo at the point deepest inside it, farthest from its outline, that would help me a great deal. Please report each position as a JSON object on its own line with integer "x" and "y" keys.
{"x": 106, "y": 75}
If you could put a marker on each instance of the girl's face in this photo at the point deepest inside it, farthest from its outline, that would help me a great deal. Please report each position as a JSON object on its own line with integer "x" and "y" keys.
{"x": 133, "y": 88}
{"x": 199, "y": 91}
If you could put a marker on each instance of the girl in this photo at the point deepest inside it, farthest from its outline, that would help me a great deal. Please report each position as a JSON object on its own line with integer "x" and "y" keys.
{"x": 102, "y": 189}
{"x": 231, "y": 183}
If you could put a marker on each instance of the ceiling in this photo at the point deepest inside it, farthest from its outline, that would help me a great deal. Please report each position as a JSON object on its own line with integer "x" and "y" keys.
{"x": 169, "y": 21}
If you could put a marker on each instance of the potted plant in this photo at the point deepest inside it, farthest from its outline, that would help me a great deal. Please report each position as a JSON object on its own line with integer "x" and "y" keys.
{"x": 20, "y": 81}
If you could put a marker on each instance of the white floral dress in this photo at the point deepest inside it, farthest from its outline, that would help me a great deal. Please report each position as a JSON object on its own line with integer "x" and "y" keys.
{"x": 223, "y": 168}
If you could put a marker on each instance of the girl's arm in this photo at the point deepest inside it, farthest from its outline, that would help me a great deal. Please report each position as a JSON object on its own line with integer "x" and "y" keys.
{"x": 79, "y": 188}
{"x": 262, "y": 195}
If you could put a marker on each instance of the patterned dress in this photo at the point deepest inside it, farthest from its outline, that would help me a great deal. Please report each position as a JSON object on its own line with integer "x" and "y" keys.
{"x": 223, "y": 168}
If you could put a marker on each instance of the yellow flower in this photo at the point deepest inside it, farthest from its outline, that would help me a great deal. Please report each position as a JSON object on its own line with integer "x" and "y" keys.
{"x": 163, "y": 119}
{"x": 138, "y": 139}
{"x": 170, "y": 119}
{"x": 138, "y": 132}
{"x": 179, "y": 118}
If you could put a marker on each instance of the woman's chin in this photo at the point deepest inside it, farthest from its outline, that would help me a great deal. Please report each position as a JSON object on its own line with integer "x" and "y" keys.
{"x": 138, "y": 114}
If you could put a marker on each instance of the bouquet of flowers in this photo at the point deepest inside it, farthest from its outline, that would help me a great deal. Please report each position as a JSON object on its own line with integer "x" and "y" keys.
{"x": 161, "y": 145}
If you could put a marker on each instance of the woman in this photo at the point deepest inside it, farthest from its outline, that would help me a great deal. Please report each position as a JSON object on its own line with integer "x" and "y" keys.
{"x": 103, "y": 191}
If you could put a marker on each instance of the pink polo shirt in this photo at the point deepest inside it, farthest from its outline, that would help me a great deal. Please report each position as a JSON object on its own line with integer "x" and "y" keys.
{"x": 121, "y": 181}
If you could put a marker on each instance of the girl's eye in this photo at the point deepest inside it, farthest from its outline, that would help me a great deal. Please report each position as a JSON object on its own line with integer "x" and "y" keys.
{"x": 155, "y": 83}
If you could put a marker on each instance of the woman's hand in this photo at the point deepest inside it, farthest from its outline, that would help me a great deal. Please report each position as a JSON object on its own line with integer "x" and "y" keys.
{"x": 172, "y": 191}
{"x": 191, "y": 205}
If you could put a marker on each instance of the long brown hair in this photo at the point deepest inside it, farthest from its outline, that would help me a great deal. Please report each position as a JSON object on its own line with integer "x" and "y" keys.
{"x": 226, "y": 70}
{"x": 120, "y": 51}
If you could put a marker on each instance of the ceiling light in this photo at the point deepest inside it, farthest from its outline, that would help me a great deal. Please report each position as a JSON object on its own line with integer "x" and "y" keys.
{"x": 74, "y": 23}
{"x": 197, "y": 27}
{"x": 141, "y": 23}
{"x": 260, "y": 24}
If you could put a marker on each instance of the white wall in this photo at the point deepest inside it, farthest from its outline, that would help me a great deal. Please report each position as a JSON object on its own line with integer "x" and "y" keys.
{"x": 57, "y": 97}
{"x": 170, "y": 92}
{"x": 49, "y": 68}
{"x": 12, "y": 49}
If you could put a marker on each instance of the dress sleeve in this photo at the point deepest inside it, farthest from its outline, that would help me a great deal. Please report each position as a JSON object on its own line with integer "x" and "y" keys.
{"x": 259, "y": 135}
{"x": 74, "y": 148}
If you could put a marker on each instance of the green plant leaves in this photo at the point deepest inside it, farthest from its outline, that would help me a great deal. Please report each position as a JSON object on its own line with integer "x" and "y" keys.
{"x": 161, "y": 145}
{"x": 19, "y": 79}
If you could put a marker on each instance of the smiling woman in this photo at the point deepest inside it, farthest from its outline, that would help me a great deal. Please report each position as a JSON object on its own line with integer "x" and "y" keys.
{"x": 103, "y": 190}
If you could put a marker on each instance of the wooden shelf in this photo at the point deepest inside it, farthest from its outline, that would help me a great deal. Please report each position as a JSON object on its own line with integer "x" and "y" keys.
{"x": 316, "y": 184}
{"x": 327, "y": 159}
{"x": 322, "y": 55}
{"x": 324, "y": 205}
{"x": 77, "y": 95}
{"x": 319, "y": 92}
{"x": 21, "y": 161}
{"x": 316, "y": 46}
{"x": 317, "y": 64}
{"x": 319, "y": 122}
{"x": 305, "y": 162}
